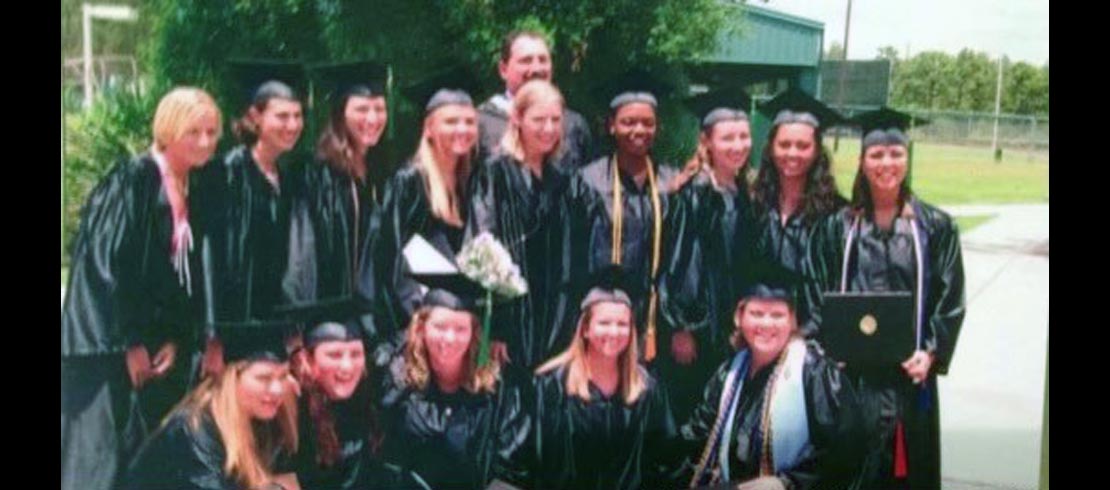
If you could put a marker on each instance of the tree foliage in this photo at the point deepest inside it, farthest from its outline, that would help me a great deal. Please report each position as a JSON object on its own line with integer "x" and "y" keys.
{"x": 966, "y": 82}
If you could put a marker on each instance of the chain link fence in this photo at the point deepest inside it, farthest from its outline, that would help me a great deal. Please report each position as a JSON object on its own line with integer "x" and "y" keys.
{"x": 1015, "y": 131}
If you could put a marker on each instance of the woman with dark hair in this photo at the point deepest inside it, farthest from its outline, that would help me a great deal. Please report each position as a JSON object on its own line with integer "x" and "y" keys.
{"x": 710, "y": 264}
{"x": 247, "y": 228}
{"x": 427, "y": 197}
{"x": 602, "y": 421}
{"x": 131, "y": 316}
{"x": 620, "y": 211}
{"x": 889, "y": 240}
{"x": 778, "y": 414}
{"x": 334, "y": 199}
{"x": 338, "y": 422}
{"x": 794, "y": 188}
{"x": 517, "y": 196}
{"x": 234, "y": 431}
{"x": 448, "y": 419}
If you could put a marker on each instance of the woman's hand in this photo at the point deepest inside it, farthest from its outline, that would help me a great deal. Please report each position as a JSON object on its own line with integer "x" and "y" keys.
{"x": 163, "y": 360}
{"x": 684, "y": 349}
{"x": 917, "y": 366}
{"x": 138, "y": 365}
{"x": 499, "y": 352}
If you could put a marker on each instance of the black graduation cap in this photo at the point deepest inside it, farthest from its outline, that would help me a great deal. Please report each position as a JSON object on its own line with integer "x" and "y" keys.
{"x": 886, "y": 118}
{"x": 330, "y": 319}
{"x": 797, "y": 101}
{"x": 770, "y": 280}
{"x": 254, "y": 76}
{"x": 731, "y": 97}
{"x": 254, "y": 340}
{"x": 631, "y": 85}
{"x": 338, "y": 80}
{"x": 885, "y": 126}
{"x": 457, "y": 80}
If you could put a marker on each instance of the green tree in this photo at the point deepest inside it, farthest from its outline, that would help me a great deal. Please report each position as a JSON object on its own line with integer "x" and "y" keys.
{"x": 1025, "y": 89}
{"x": 888, "y": 53}
{"x": 973, "y": 81}
{"x": 924, "y": 81}
{"x": 835, "y": 51}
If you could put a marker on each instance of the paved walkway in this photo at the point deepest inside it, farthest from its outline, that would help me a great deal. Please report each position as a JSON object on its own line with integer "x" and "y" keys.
{"x": 992, "y": 398}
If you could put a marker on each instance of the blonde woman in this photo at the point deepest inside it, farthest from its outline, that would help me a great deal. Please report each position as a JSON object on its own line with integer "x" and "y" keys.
{"x": 131, "y": 314}
{"x": 517, "y": 196}
{"x": 602, "y": 422}
{"x": 427, "y": 197}
{"x": 453, "y": 423}
{"x": 229, "y": 432}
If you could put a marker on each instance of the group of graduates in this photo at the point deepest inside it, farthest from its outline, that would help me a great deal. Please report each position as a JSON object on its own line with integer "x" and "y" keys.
{"x": 257, "y": 321}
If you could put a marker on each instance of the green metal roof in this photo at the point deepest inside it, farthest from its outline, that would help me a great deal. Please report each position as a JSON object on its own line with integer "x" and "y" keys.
{"x": 770, "y": 38}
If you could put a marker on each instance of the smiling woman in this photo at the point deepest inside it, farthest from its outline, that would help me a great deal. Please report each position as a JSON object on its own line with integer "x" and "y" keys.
{"x": 131, "y": 312}
{"x": 602, "y": 421}
{"x": 224, "y": 434}
{"x": 762, "y": 425}
{"x": 448, "y": 419}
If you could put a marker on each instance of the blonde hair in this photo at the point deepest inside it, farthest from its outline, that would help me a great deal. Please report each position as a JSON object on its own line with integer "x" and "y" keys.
{"x": 530, "y": 94}
{"x": 417, "y": 371}
{"x": 632, "y": 382}
{"x": 247, "y": 458}
{"x": 445, "y": 201}
{"x": 179, "y": 108}
{"x": 736, "y": 339}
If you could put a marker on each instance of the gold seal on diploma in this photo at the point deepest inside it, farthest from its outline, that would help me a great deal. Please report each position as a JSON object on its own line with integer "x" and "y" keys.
{"x": 868, "y": 325}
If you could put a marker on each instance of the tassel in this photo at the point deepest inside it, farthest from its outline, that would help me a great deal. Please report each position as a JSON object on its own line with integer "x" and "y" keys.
{"x": 649, "y": 343}
{"x": 483, "y": 342}
{"x": 900, "y": 463}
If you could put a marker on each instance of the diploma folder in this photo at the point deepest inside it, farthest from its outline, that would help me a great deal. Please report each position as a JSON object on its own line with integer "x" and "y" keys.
{"x": 868, "y": 329}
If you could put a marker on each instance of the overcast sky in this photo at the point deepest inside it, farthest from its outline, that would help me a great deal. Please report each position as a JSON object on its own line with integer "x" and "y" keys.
{"x": 1015, "y": 28}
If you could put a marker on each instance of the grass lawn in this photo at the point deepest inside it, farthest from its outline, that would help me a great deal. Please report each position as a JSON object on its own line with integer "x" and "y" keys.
{"x": 947, "y": 174}
{"x": 969, "y": 222}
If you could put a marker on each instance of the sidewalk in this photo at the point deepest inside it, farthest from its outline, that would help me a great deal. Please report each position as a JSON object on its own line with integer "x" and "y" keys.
{"x": 992, "y": 399}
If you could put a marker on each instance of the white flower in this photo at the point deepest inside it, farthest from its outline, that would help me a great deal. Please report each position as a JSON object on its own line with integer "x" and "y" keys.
{"x": 486, "y": 261}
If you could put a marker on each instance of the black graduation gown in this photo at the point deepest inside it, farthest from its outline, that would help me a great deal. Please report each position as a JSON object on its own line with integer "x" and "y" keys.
{"x": 332, "y": 220}
{"x": 787, "y": 245}
{"x": 455, "y": 441}
{"x": 122, "y": 291}
{"x": 589, "y": 228}
{"x": 406, "y": 211}
{"x": 179, "y": 457}
{"x": 525, "y": 214}
{"x": 575, "y": 148}
{"x": 885, "y": 261}
{"x": 603, "y": 444}
{"x": 357, "y": 467}
{"x": 705, "y": 276}
{"x": 833, "y": 452}
{"x": 248, "y": 235}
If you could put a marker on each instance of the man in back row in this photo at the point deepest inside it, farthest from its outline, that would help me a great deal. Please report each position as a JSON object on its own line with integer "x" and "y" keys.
{"x": 526, "y": 56}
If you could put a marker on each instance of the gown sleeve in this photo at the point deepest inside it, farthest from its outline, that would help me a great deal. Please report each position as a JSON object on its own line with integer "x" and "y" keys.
{"x": 946, "y": 307}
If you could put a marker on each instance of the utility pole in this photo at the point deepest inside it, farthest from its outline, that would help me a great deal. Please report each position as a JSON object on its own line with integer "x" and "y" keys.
{"x": 843, "y": 71}
{"x": 997, "y": 111}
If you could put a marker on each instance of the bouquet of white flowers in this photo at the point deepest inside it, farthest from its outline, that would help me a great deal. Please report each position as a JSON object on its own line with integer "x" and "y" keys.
{"x": 485, "y": 261}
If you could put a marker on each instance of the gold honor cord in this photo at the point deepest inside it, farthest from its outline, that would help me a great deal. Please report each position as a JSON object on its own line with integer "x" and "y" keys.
{"x": 656, "y": 245}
